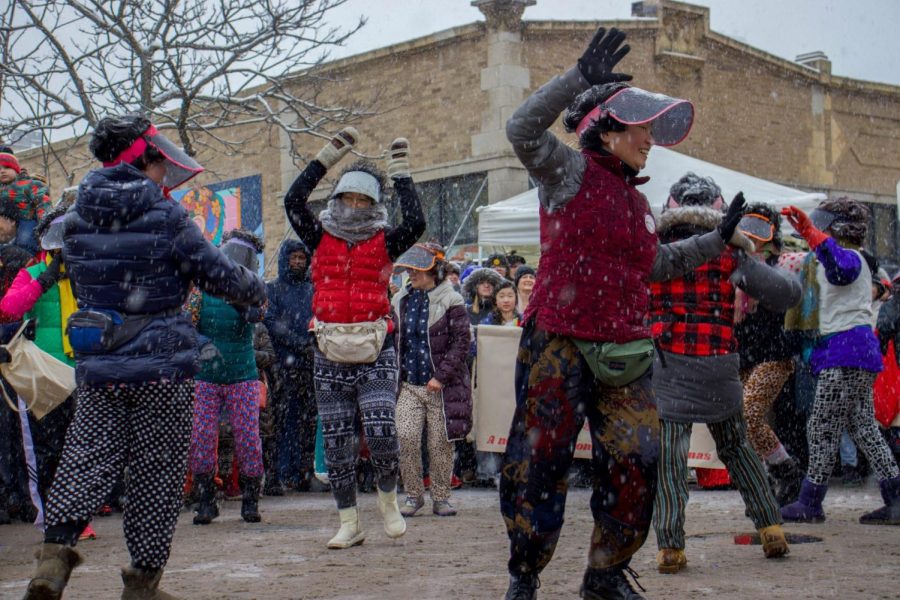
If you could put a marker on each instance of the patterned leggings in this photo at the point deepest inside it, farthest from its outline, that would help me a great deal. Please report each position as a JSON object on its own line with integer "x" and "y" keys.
{"x": 240, "y": 401}
{"x": 844, "y": 400}
{"x": 743, "y": 465}
{"x": 346, "y": 394}
{"x": 555, "y": 391}
{"x": 762, "y": 385}
{"x": 146, "y": 428}
{"x": 415, "y": 407}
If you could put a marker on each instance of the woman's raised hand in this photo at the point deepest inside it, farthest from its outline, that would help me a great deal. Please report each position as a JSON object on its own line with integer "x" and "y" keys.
{"x": 338, "y": 147}
{"x": 602, "y": 55}
{"x": 398, "y": 158}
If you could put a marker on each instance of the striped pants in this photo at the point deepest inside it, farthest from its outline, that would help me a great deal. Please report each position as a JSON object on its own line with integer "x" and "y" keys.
{"x": 743, "y": 464}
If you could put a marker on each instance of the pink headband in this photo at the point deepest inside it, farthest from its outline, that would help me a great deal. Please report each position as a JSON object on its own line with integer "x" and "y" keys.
{"x": 135, "y": 150}
{"x": 596, "y": 114}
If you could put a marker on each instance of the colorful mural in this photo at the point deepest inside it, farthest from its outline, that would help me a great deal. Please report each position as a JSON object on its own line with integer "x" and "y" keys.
{"x": 219, "y": 207}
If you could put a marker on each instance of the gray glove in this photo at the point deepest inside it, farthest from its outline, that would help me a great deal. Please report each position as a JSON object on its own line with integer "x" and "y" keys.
{"x": 339, "y": 146}
{"x": 398, "y": 158}
{"x": 208, "y": 351}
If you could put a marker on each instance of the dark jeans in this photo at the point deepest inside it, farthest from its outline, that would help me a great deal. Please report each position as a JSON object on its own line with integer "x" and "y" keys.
{"x": 295, "y": 429}
{"x": 555, "y": 391}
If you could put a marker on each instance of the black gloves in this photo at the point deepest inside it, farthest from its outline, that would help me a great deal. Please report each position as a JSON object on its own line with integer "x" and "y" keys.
{"x": 732, "y": 217}
{"x": 48, "y": 278}
{"x": 601, "y": 57}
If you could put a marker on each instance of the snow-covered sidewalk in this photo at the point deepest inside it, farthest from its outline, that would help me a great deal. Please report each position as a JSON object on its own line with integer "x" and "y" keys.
{"x": 284, "y": 557}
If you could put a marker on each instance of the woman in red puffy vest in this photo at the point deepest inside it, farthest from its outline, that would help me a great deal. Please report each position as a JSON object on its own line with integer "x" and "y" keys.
{"x": 353, "y": 253}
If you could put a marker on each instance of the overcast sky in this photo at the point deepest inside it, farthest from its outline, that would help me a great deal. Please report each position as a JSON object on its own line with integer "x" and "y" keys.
{"x": 859, "y": 36}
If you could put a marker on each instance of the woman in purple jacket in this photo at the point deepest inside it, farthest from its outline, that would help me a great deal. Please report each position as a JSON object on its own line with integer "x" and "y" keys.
{"x": 846, "y": 358}
{"x": 435, "y": 390}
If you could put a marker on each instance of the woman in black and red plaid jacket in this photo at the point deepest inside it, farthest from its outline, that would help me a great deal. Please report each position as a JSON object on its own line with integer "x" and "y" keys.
{"x": 696, "y": 372}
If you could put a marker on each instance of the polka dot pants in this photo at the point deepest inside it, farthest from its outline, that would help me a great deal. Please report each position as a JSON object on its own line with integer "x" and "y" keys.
{"x": 147, "y": 429}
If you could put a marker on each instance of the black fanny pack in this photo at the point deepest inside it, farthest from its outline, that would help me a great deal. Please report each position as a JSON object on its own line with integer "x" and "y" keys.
{"x": 100, "y": 330}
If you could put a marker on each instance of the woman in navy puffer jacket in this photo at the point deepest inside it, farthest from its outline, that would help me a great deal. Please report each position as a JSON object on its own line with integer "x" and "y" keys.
{"x": 131, "y": 249}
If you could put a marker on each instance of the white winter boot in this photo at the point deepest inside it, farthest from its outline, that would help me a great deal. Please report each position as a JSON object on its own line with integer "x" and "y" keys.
{"x": 394, "y": 524}
{"x": 350, "y": 533}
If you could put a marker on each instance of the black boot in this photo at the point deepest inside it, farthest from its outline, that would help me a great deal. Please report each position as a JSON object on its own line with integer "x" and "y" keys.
{"x": 250, "y": 498}
{"x": 610, "y": 584}
{"x": 788, "y": 477}
{"x": 522, "y": 586}
{"x": 889, "y": 514}
{"x": 207, "y": 510}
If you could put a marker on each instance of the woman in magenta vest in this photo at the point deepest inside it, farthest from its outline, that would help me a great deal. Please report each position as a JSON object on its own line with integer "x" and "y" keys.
{"x": 590, "y": 207}
{"x": 353, "y": 253}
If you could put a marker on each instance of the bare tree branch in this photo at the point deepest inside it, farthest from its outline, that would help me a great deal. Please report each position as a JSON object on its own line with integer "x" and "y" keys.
{"x": 198, "y": 67}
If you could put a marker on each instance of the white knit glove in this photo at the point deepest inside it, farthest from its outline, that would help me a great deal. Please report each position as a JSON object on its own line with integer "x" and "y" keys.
{"x": 339, "y": 146}
{"x": 398, "y": 158}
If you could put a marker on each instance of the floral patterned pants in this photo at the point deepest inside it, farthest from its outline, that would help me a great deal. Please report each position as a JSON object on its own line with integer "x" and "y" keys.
{"x": 555, "y": 392}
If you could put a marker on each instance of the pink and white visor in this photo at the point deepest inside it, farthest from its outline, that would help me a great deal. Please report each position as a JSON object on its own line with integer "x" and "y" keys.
{"x": 179, "y": 166}
{"x": 670, "y": 118}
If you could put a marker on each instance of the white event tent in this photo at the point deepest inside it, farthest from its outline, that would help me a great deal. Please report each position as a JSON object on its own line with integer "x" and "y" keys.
{"x": 514, "y": 222}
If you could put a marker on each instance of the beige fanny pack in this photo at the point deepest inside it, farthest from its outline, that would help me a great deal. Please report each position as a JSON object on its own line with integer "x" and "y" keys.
{"x": 353, "y": 343}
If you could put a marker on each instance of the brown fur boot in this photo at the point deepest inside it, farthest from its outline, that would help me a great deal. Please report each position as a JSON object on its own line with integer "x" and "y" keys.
{"x": 55, "y": 564}
{"x": 773, "y": 541}
{"x": 142, "y": 585}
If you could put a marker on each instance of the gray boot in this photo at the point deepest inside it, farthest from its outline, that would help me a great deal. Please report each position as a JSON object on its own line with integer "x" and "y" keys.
{"x": 142, "y": 585}
{"x": 55, "y": 564}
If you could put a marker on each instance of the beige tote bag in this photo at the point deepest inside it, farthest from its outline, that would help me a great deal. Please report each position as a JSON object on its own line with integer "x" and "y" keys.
{"x": 41, "y": 380}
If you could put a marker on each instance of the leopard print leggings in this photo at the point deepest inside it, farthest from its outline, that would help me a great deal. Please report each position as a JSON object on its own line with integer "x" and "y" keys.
{"x": 762, "y": 385}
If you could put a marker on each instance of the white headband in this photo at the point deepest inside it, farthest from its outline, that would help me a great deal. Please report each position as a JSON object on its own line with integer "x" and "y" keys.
{"x": 359, "y": 182}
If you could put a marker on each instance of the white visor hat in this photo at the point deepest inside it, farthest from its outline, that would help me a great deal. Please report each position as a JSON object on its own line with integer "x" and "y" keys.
{"x": 359, "y": 182}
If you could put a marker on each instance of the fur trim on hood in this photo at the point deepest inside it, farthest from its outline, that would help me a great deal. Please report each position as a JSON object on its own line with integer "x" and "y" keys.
{"x": 686, "y": 221}
{"x": 247, "y": 236}
{"x": 478, "y": 276}
{"x": 702, "y": 219}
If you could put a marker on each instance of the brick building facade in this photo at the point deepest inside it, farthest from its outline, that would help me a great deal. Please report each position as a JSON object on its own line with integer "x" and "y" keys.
{"x": 451, "y": 92}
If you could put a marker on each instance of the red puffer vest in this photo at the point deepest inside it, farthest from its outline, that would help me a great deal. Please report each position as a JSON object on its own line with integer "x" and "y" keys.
{"x": 694, "y": 314}
{"x": 597, "y": 252}
{"x": 351, "y": 282}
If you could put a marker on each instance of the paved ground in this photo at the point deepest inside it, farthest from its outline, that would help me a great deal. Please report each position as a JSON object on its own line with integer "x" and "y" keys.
{"x": 284, "y": 557}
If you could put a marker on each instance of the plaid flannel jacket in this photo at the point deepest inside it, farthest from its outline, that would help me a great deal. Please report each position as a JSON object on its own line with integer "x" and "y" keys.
{"x": 694, "y": 314}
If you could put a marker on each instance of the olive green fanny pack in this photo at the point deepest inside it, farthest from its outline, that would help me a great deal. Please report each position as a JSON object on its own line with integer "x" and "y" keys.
{"x": 617, "y": 365}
